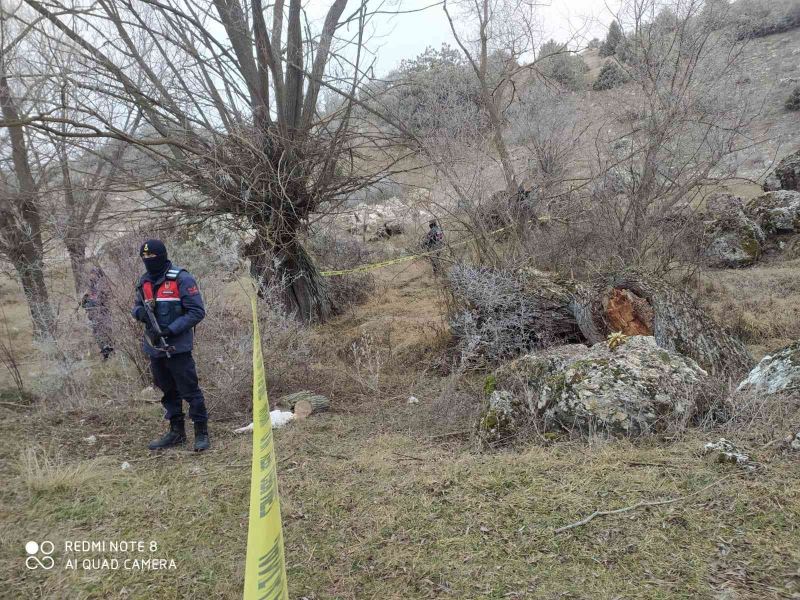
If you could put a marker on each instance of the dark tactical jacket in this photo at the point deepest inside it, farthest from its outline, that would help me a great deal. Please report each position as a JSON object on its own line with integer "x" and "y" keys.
{"x": 178, "y": 308}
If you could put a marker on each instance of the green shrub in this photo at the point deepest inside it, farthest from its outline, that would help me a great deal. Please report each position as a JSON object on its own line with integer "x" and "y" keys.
{"x": 561, "y": 65}
{"x": 793, "y": 101}
{"x": 613, "y": 38}
{"x": 611, "y": 75}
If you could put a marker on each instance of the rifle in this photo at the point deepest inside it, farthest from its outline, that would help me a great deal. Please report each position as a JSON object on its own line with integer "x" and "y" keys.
{"x": 154, "y": 326}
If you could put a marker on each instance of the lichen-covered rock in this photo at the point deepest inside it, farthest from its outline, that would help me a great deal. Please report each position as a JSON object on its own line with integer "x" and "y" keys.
{"x": 501, "y": 421}
{"x": 771, "y": 183}
{"x": 734, "y": 240}
{"x": 776, "y": 212}
{"x": 779, "y": 372}
{"x": 726, "y": 451}
{"x": 786, "y": 175}
{"x": 633, "y": 389}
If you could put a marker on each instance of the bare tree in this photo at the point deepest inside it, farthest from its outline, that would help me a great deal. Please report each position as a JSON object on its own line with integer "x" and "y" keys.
{"x": 504, "y": 44}
{"x": 675, "y": 128}
{"x": 21, "y": 236}
{"x": 229, "y": 110}
{"x": 90, "y": 171}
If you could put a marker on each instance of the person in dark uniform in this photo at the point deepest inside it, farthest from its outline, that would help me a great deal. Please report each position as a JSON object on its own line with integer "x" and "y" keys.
{"x": 433, "y": 242}
{"x": 173, "y": 294}
{"x": 96, "y": 304}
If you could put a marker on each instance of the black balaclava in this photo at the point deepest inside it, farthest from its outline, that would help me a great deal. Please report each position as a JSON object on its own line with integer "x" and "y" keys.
{"x": 159, "y": 264}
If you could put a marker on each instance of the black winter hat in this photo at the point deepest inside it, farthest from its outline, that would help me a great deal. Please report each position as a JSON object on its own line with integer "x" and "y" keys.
{"x": 154, "y": 265}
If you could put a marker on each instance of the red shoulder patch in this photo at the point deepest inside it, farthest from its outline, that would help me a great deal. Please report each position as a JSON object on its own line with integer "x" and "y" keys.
{"x": 193, "y": 291}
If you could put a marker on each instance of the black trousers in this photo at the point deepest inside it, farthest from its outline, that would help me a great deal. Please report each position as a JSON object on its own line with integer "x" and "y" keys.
{"x": 176, "y": 377}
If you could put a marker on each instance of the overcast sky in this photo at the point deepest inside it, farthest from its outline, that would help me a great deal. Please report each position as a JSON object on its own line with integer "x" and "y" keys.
{"x": 406, "y": 35}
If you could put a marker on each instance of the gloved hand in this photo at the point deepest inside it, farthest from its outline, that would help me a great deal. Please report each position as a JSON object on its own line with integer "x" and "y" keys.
{"x": 141, "y": 315}
{"x": 154, "y": 336}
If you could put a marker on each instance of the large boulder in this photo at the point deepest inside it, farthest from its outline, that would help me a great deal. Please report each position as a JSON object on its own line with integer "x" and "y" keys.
{"x": 732, "y": 241}
{"x": 778, "y": 372}
{"x": 633, "y": 389}
{"x": 786, "y": 175}
{"x": 776, "y": 212}
{"x": 731, "y": 238}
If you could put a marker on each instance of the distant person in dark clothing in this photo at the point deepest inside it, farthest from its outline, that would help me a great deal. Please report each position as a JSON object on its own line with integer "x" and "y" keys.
{"x": 433, "y": 242}
{"x": 96, "y": 304}
{"x": 172, "y": 294}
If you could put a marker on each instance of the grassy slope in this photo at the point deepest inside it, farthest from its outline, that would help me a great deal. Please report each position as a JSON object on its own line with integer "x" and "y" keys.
{"x": 371, "y": 514}
{"x": 376, "y": 507}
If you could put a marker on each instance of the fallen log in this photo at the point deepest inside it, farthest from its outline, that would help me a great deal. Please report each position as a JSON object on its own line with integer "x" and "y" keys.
{"x": 304, "y": 403}
{"x": 508, "y": 314}
{"x": 680, "y": 325}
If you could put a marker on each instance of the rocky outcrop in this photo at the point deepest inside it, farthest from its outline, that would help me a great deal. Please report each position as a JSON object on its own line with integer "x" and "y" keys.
{"x": 786, "y": 175}
{"x": 776, "y": 373}
{"x": 633, "y": 389}
{"x": 733, "y": 241}
{"x": 723, "y": 203}
{"x": 731, "y": 238}
{"x": 776, "y": 212}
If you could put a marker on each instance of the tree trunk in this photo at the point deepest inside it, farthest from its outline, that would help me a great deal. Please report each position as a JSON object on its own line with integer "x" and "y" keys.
{"x": 305, "y": 404}
{"x": 21, "y": 222}
{"x": 628, "y": 302}
{"x": 679, "y": 324}
{"x": 637, "y": 304}
{"x": 291, "y": 268}
{"x": 31, "y": 275}
{"x": 77, "y": 259}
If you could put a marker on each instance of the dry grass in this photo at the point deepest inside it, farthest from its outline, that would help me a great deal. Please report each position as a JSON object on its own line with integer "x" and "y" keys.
{"x": 45, "y": 471}
{"x": 372, "y": 513}
{"x": 379, "y": 500}
{"x": 761, "y": 305}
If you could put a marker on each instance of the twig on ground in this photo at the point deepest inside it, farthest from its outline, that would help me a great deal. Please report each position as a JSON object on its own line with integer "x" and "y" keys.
{"x": 451, "y": 434}
{"x": 604, "y": 513}
{"x": 15, "y": 405}
{"x": 408, "y": 456}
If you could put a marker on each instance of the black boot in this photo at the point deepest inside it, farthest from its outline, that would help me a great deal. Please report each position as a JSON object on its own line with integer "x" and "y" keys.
{"x": 201, "y": 441}
{"x": 174, "y": 437}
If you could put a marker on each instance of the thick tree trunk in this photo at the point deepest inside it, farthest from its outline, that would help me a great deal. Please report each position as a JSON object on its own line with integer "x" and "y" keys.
{"x": 293, "y": 271}
{"x": 634, "y": 303}
{"x": 557, "y": 312}
{"x": 679, "y": 324}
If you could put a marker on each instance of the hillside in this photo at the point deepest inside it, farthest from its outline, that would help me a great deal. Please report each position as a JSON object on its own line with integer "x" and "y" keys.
{"x": 392, "y": 494}
{"x": 385, "y": 499}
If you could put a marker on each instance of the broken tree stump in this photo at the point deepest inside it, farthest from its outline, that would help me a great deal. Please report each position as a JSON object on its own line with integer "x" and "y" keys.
{"x": 506, "y": 314}
{"x": 681, "y": 325}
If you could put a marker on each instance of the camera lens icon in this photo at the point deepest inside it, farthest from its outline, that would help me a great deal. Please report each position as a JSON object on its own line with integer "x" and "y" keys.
{"x": 34, "y": 549}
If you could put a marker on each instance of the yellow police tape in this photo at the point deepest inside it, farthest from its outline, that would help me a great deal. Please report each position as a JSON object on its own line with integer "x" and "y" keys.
{"x": 377, "y": 265}
{"x": 410, "y": 257}
{"x": 265, "y": 565}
